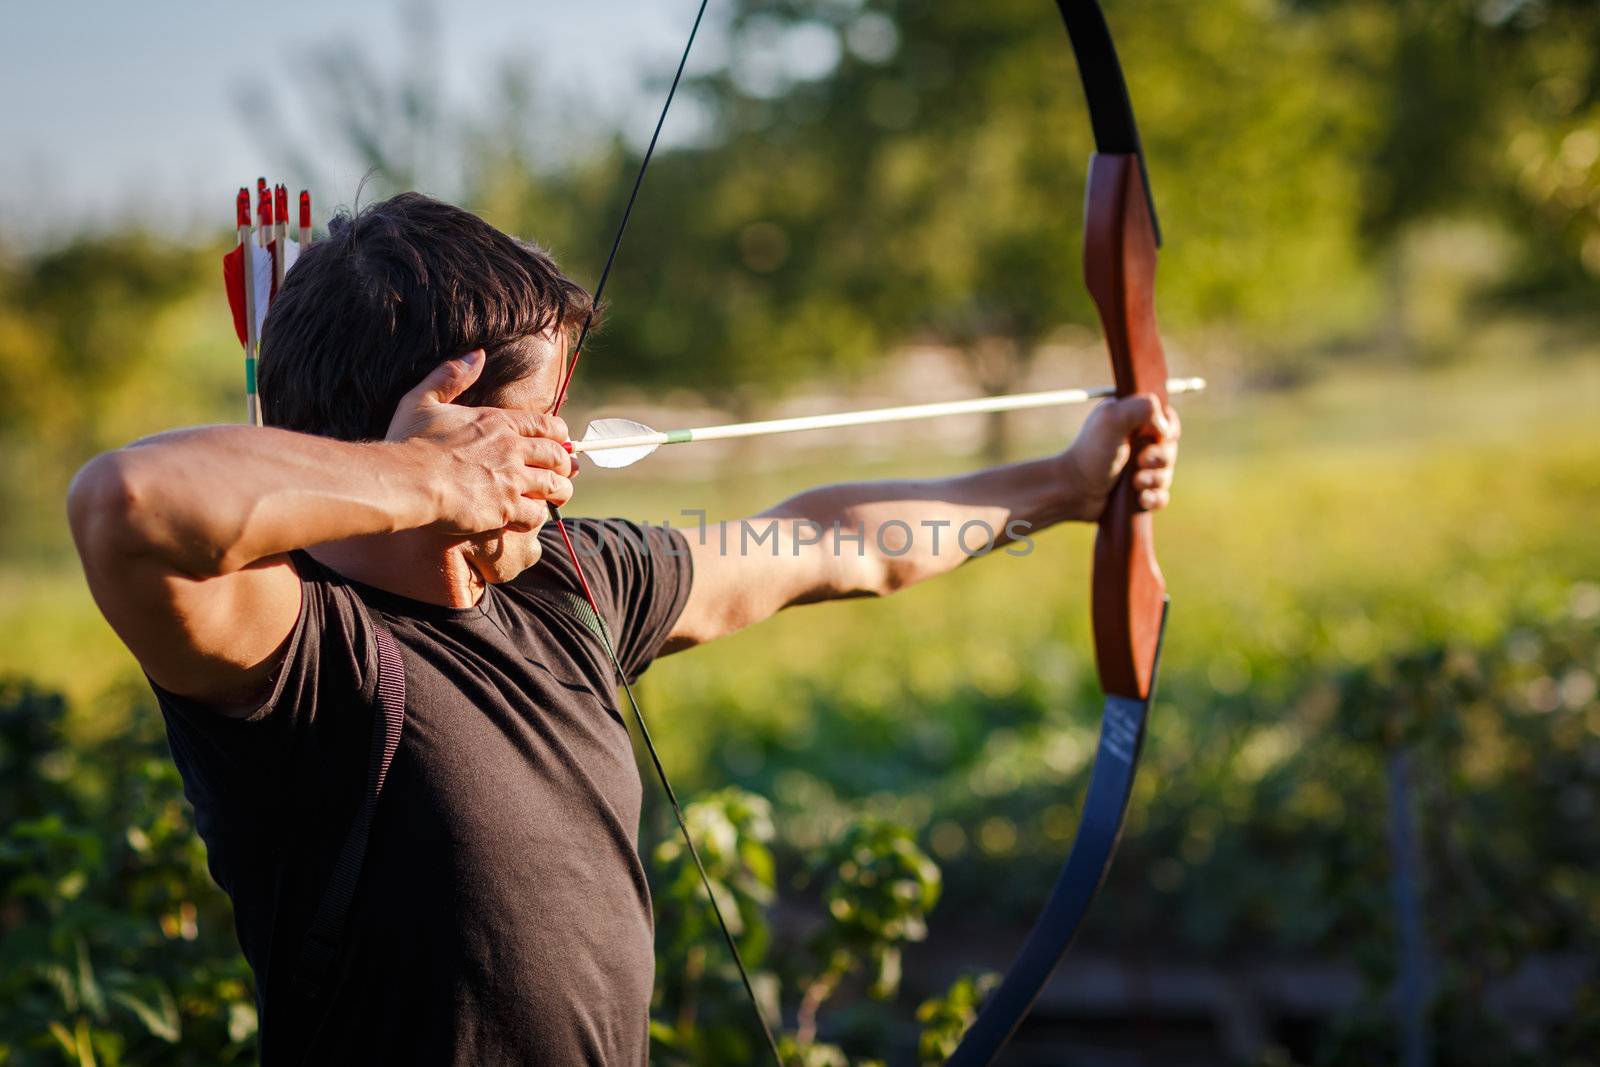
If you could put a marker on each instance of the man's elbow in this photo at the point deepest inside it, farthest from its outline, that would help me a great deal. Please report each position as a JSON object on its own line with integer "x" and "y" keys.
{"x": 111, "y": 511}
{"x": 891, "y": 574}
{"x": 885, "y": 567}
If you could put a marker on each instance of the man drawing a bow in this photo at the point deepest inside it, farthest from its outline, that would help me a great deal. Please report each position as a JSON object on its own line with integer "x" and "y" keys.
{"x": 402, "y": 486}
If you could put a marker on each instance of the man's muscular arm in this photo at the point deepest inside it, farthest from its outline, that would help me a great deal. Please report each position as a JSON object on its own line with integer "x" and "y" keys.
{"x": 874, "y": 538}
{"x": 184, "y": 536}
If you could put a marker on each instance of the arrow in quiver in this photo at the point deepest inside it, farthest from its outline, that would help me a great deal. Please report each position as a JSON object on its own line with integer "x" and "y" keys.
{"x": 254, "y": 269}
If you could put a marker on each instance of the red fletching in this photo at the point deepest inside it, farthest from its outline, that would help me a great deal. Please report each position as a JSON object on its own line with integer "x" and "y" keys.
{"x": 241, "y": 206}
{"x": 280, "y": 196}
{"x": 233, "y": 277}
{"x": 305, "y": 209}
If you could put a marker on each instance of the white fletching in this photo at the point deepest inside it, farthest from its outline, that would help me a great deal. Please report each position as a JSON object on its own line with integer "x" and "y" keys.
{"x": 619, "y": 452}
{"x": 261, "y": 274}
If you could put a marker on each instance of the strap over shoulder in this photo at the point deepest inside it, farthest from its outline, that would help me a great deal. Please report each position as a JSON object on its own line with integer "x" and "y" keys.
{"x": 326, "y": 935}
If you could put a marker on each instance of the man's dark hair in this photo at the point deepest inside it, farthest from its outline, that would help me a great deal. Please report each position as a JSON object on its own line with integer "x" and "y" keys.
{"x": 394, "y": 291}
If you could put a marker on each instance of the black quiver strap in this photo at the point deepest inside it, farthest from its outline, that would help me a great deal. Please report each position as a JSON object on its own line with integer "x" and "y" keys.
{"x": 323, "y": 941}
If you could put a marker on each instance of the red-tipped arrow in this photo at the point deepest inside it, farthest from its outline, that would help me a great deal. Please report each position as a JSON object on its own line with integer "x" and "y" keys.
{"x": 263, "y": 213}
{"x": 242, "y": 270}
{"x": 234, "y": 266}
{"x": 280, "y": 236}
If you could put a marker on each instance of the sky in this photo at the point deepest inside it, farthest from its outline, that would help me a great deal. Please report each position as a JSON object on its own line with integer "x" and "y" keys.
{"x": 132, "y": 110}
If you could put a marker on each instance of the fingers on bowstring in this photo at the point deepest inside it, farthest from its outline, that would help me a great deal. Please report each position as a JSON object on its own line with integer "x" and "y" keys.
{"x": 539, "y": 424}
{"x": 542, "y": 483}
{"x": 547, "y": 453}
{"x": 528, "y": 514}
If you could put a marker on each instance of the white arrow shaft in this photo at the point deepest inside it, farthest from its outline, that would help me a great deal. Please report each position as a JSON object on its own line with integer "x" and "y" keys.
{"x": 633, "y": 440}
{"x": 874, "y": 416}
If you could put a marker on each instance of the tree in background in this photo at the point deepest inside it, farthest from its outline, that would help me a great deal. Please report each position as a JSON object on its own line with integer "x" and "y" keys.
{"x": 867, "y": 174}
{"x": 859, "y": 175}
{"x": 86, "y": 335}
{"x": 934, "y": 170}
{"x": 1480, "y": 112}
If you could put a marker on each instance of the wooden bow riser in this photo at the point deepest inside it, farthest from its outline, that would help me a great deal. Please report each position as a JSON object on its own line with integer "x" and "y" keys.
{"x": 1119, "y": 266}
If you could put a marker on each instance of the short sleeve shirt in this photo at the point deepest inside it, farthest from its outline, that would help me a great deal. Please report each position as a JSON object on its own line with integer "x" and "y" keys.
{"x": 502, "y": 914}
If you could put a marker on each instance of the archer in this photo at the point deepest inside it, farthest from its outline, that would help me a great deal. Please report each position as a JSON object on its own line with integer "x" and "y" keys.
{"x": 401, "y": 491}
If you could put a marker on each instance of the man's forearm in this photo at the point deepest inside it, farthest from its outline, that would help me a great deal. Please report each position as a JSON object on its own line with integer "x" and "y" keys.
{"x": 908, "y": 531}
{"x": 873, "y": 538}
{"x": 213, "y": 500}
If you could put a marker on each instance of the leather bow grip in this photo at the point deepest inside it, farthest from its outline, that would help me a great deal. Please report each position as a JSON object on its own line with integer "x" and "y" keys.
{"x": 1119, "y": 265}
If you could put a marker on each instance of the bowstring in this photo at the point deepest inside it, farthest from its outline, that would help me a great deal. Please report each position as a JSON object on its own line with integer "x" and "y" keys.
{"x": 588, "y": 594}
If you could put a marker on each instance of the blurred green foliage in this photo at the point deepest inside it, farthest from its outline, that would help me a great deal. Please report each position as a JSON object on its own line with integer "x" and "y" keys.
{"x": 1267, "y": 839}
{"x": 1383, "y": 236}
{"x": 115, "y": 946}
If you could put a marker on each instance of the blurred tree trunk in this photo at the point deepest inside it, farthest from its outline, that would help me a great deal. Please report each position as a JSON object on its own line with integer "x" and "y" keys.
{"x": 1394, "y": 332}
{"x": 998, "y": 364}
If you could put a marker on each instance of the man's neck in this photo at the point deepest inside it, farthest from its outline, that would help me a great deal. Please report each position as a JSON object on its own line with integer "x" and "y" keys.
{"x": 407, "y": 565}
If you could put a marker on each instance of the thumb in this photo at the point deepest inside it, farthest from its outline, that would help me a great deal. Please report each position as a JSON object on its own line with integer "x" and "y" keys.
{"x": 1132, "y": 415}
{"x": 446, "y": 381}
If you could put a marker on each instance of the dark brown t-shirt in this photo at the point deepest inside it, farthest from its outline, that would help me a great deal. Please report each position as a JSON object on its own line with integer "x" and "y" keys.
{"x": 502, "y": 914}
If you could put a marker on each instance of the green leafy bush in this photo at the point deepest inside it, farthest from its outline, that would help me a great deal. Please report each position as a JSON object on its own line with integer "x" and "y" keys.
{"x": 115, "y": 946}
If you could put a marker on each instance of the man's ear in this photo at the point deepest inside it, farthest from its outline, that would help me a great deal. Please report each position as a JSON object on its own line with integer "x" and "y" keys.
{"x": 524, "y": 374}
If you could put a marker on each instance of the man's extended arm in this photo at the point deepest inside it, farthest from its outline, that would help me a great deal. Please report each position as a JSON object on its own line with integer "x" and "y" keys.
{"x": 875, "y": 538}
{"x": 184, "y": 536}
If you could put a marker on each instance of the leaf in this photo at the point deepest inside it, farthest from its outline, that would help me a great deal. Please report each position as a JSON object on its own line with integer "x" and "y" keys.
{"x": 887, "y": 979}
{"x": 63, "y": 1036}
{"x": 163, "y": 1021}
{"x": 94, "y": 1000}
{"x": 242, "y": 1021}
{"x": 84, "y": 1040}
{"x": 59, "y": 979}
